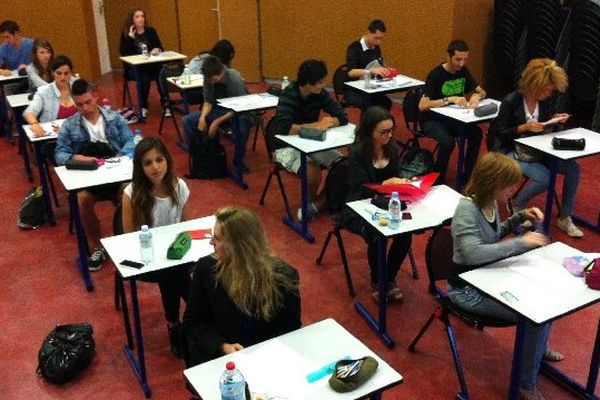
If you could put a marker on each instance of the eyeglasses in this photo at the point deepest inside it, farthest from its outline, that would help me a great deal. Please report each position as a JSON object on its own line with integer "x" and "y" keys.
{"x": 387, "y": 131}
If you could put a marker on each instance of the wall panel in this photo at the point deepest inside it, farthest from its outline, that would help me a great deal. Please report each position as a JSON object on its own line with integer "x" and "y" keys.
{"x": 239, "y": 24}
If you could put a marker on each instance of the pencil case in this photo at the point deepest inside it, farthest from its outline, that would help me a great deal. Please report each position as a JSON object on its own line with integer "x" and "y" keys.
{"x": 83, "y": 165}
{"x": 313, "y": 134}
{"x": 180, "y": 246}
{"x": 485, "y": 110}
{"x": 350, "y": 374}
{"x": 568, "y": 144}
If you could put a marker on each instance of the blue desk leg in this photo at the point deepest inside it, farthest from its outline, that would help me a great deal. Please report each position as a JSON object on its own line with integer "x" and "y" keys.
{"x": 302, "y": 228}
{"x": 138, "y": 365}
{"x": 18, "y": 113}
{"x": 460, "y": 168}
{"x": 587, "y": 392}
{"x": 515, "y": 373}
{"x": 44, "y": 181}
{"x": 82, "y": 258}
{"x": 379, "y": 326}
{"x": 236, "y": 173}
{"x": 550, "y": 197}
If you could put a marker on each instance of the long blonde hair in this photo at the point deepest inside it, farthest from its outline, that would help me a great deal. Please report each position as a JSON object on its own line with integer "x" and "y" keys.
{"x": 247, "y": 271}
{"x": 541, "y": 73}
{"x": 493, "y": 172}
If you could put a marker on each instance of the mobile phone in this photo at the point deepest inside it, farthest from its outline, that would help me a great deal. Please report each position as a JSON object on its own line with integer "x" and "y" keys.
{"x": 131, "y": 264}
{"x": 406, "y": 215}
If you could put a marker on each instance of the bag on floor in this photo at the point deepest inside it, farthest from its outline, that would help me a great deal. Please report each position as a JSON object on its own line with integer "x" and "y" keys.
{"x": 416, "y": 162}
{"x": 207, "y": 158}
{"x": 66, "y": 351}
{"x": 129, "y": 115}
{"x": 31, "y": 213}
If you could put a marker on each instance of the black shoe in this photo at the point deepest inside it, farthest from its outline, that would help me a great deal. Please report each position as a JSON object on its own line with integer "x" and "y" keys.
{"x": 96, "y": 259}
{"x": 245, "y": 169}
{"x": 176, "y": 340}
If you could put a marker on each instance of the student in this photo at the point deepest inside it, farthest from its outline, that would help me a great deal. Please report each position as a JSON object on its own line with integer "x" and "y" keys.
{"x": 223, "y": 49}
{"x": 451, "y": 83}
{"x": 156, "y": 197}
{"x": 15, "y": 52}
{"x": 136, "y": 32}
{"x": 92, "y": 124}
{"x": 480, "y": 238}
{"x": 299, "y": 106}
{"x": 375, "y": 158}
{"x": 38, "y": 71}
{"x": 242, "y": 294}
{"x": 52, "y": 101}
{"x": 521, "y": 114}
{"x": 219, "y": 82}
{"x": 364, "y": 56}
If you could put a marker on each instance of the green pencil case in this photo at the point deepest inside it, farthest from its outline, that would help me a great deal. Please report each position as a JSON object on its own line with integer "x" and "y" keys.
{"x": 180, "y": 246}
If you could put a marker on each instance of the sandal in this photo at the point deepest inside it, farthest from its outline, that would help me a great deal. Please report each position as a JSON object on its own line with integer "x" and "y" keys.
{"x": 553, "y": 356}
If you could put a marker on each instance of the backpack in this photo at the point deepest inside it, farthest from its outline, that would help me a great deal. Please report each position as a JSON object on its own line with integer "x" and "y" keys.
{"x": 32, "y": 214}
{"x": 66, "y": 351}
{"x": 207, "y": 158}
{"x": 416, "y": 162}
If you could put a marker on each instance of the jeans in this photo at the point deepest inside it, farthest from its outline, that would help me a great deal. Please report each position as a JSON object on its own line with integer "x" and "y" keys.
{"x": 174, "y": 286}
{"x": 445, "y": 132}
{"x": 190, "y": 127}
{"x": 364, "y": 101}
{"x": 535, "y": 338}
{"x": 539, "y": 175}
{"x": 144, "y": 75}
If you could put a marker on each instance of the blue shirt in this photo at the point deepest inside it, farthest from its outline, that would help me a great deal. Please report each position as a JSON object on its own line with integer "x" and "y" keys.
{"x": 15, "y": 56}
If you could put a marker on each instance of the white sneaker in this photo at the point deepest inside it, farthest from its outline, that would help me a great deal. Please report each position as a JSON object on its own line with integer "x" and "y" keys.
{"x": 311, "y": 211}
{"x": 144, "y": 113}
{"x": 168, "y": 113}
{"x": 566, "y": 224}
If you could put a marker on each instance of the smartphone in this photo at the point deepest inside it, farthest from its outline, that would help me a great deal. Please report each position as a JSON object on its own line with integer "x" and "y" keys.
{"x": 131, "y": 264}
{"x": 406, "y": 215}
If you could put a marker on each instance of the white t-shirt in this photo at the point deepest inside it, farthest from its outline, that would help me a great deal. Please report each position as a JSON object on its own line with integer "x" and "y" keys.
{"x": 97, "y": 133}
{"x": 164, "y": 211}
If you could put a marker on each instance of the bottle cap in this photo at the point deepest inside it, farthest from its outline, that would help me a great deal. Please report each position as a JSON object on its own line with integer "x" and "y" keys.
{"x": 144, "y": 228}
{"x": 230, "y": 365}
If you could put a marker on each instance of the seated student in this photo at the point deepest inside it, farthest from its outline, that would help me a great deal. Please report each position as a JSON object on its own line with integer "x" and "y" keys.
{"x": 92, "y": 125}
{"x": 374, "y": 158}
{"x": 156, "y": 197}
{"x": 364, "y": 56}
{"x": 480, "y": 238}
{"x": 451, "y": 83}
{"x": 52, "y": 101}
{"x": 299, "y": 106}
{"x": 219, "y": 82}
{"x": 242, "y": 294}
{"x": 521, "y": 114}
{"x": 223, "y": 49}
{"x": 136, "y": 32}
{"x": 38, "y": 71}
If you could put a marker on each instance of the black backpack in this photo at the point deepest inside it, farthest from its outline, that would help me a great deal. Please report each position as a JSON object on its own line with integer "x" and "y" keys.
{"x": 66, "y": 351}
{"x": 416, "y": 162}
{"x": 207, "y": 158}
{"x": 31, "y": 213}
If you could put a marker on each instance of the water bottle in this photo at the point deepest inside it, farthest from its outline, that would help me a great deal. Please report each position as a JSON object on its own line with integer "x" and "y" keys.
{"x": 146, "y": 247}
{"x": 185, "y": 77}
{"x": 137, "y": 136}
{"x": 284, "y": 83}
{"x": 232, "y": 383}
{"x": 367, "y": 79}
{"x": 144, "y": 49}
{"x": 395, "y": 211}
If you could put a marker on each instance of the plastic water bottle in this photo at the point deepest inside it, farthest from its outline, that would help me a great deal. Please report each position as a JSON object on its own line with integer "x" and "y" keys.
{"x": 367, "y": 79}
{"x": 146, "y": 247}
{"x": 395, "y": 211}
{"x": 137, "y": 136}
{"x": 144, "y": 49}
{"x": 284, "y": 83}
{"x": 232, "y": 383}
{"x": 185, "y": 77}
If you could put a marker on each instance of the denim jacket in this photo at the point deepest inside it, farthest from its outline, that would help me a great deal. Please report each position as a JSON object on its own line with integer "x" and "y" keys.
{"x": 73, "y": 135}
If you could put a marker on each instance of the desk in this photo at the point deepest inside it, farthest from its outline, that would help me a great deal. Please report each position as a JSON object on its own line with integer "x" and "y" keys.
{"x": 398, "y": 84}
{"x": 336, "y": 137}
{"x": 436, "y": 207}
{"x": 465, "y": 116}
{"x": 542, "y": 291}
{"x": 76, "y": 180}
{"x": 196, "y": 82}
{"x": 240, "y": 104}
{"x": 300, "y": 352}
{"x": 43, "y": 171}
{"x": 18, "y": 103}
{"x": 138, "y": 60}
{"x": 127, "y": 247}
{"x": 12, "y": 78}
{"x": 543, "y": 143}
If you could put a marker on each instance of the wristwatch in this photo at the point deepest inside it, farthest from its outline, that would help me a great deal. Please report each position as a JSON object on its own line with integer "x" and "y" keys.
{"x": 446, "y": 101}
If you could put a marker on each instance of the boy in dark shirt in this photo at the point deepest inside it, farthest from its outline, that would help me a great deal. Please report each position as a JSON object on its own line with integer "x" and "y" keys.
{"x": 451, "y": 83}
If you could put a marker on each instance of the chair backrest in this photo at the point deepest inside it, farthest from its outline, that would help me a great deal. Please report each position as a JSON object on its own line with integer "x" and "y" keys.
{"x": 167, "y": 71}
{"x": 410, "y": 109}
{"x": 271, "y": 142}
{"x": 340, "y": 76}
{"x": 438, "y": 255}
{"x": 338, "y": 185}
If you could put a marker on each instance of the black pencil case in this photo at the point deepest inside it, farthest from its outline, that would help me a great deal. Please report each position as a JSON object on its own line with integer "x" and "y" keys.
{"x": 313, "y": 134}
{"x": 568, "y": 144}
{"x": 485, "y": 110}
{"x": 84, "y": 165}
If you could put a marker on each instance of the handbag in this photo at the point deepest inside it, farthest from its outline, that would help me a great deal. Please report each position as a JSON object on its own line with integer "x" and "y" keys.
{"x": 568, "y": 144}
{"x": 312, "y": 134}
{"x": 66, "y": 351}
{"x": 592, "y": 274}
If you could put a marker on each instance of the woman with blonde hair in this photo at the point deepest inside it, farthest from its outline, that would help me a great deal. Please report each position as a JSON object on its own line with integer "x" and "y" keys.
{"x": 241, "y": 294}
{"x": 480, "y": 238}
{"x": 523, "y": 113}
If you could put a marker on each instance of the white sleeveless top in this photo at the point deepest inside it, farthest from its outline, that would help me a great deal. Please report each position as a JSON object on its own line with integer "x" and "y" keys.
{"x": 164, "y": 211}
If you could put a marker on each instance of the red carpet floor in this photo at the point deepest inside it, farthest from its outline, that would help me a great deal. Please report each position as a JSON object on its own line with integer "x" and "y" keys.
{"x": 41, "y": 288}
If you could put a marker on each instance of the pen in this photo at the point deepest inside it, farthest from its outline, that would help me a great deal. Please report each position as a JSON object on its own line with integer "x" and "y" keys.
{"x": 589, "y": 267}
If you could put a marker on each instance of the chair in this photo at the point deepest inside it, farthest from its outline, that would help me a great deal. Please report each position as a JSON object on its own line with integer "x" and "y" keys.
{"x": 340, "y": 76}
{"x": 275, "y": 91}
{"x": 438, "y": 258}
{"x": 273, "y": 144}
{"x": 167, "y": 102}
{"x": 412, "y": 118}
{"x": 126, "y": 92}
